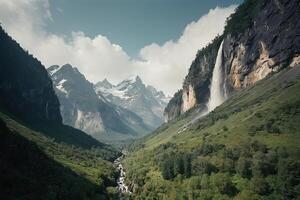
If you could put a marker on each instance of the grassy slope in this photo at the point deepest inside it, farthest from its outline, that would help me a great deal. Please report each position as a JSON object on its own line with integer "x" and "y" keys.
{"x": 267, "y": 112}
{"x": 90, "y": 166}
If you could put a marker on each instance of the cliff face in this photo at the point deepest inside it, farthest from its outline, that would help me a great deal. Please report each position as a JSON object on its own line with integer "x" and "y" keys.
{"x": 269, "y": 45}
{"x": 79, "y": 102}
{"x": 261, "y": 37}
{"x": 25, "y": 88}
{"x": 173, "y": 108}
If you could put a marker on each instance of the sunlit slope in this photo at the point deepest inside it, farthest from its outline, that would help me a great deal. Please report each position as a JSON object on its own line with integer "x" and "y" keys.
{"x": 262, "y": 119}
{"x": 273, "y": 101}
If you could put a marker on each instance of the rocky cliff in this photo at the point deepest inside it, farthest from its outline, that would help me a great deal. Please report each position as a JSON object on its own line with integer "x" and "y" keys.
{"x": 78, "y": 102}
{"x": 260, "y": 38}
{"x": 271, "y": 43}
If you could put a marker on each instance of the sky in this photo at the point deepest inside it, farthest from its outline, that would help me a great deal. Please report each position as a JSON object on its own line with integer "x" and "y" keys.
{"x": 114, "y": 39}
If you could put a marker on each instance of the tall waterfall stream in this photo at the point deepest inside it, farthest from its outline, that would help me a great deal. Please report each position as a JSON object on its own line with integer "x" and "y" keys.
{"x": 217, "y": 90}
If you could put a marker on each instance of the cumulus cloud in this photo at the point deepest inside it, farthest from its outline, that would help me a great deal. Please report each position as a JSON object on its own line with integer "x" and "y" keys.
{"x": 163, "y": 66}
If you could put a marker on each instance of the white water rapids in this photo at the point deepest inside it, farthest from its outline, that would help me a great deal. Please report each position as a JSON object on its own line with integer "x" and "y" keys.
{"x": 122, "y": 187}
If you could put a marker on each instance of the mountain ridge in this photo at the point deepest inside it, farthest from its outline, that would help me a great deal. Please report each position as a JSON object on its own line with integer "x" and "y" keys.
{"x": 134, "y": 95}
{"x": 82, "y": 108}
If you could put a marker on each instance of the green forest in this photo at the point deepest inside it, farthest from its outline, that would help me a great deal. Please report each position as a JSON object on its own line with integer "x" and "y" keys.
{"x": 248, "y": 148}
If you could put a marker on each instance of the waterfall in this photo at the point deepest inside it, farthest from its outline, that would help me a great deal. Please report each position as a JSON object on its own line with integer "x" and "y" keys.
{"x": 217, "y": 92}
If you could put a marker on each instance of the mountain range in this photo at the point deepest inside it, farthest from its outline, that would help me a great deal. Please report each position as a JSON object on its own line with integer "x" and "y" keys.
{"x": 231, "y": 132}
{"x": 40, "y": 156}
{"x": 107, "y": 112}
{"x": 132, "y": 94}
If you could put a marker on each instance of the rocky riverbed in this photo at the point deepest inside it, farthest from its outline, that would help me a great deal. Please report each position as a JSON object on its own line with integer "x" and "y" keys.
{"x": 122, "y": 187}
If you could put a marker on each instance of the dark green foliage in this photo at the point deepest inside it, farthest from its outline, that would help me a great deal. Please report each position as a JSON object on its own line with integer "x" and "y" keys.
{"x": 225, "y": 128}
{"x": 243, "y": 167}
{"x": 26, "y": 89}
{"x": 26, "y": 93}
{"x": 176, "y": 164}
{"x": 289, "y": 178}
{"x": 168, "y": 169}
{"x": 243, "y": 17}
{"x": 223, "y": 184}
{"x": 238, "y": 166}
{"x": 230, "y": 164}
{"x": 28, "y": 173}
{"x": 247, "y": 169}
{"x": 201, "y": 165}
{"x": 259, "y": 186}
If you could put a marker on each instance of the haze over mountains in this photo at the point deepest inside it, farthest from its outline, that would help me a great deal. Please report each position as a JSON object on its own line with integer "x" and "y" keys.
{"x": 231, "y": 132}
{"x": 133, "y": 95}
{"x": 107, "y": 112}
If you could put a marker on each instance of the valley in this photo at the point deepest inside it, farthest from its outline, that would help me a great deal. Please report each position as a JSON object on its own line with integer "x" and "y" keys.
{"x": 176, "y": 164}
{"x": 82, "y": 129}
{"x": 122, "y": 187}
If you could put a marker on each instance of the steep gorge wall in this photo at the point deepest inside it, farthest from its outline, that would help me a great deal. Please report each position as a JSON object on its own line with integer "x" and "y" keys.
{"x": 260, "y": 38}
{"x": 269, "y": 45}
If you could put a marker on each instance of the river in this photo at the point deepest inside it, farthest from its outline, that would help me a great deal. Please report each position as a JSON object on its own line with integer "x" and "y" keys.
{"x": 122, "y": 187}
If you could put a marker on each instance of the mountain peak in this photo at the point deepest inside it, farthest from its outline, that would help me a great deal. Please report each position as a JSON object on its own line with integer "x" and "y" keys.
{"x": 138, "y": 79}
{"x": 66, "y": 67}
{"x": 70, "y": 67}
{"x": 105, "y": 84}
{"x": 53, "y": 69}
{"x": 133, "y": 79}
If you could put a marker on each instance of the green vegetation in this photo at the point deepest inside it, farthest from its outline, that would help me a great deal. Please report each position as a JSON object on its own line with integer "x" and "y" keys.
{"x": 248, "y": 148}
{"x": 243, "y": 17}
{"x": 34, "y": 165}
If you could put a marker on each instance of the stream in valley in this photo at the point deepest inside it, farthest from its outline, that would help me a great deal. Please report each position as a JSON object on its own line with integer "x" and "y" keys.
{"x": 122, "y": 187}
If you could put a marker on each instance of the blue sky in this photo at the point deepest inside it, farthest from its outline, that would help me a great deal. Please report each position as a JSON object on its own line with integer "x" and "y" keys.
{"x": 129, "y": 23}
{"x": 115, "y": 39}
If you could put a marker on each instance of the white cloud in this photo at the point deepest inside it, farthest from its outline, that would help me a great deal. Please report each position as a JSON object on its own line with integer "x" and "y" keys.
{"x": 162, "y": 66}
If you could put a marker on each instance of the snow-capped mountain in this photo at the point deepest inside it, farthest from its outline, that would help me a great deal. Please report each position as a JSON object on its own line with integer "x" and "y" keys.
{"x": 132, "y": 94}
{"x": 82, "y": 108}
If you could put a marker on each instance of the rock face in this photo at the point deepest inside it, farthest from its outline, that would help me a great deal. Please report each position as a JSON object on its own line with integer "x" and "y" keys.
{"x": 25, "y": 88}
{"x": 269, "y": 45}
{"x": 195, "y": 89}
{"x": 266, "y": 42}
{"x": 78, "y": 101}
{"x": 173, "y": 108}
{"x": 82, "y": 108}
{"x": 133, "y": 95}
{"x": 188, "y": 98}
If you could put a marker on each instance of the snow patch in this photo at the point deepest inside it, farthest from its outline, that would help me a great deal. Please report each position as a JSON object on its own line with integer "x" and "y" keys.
{"x": 60, "y": 86}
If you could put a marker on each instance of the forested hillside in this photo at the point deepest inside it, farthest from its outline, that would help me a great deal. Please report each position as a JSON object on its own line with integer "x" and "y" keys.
{"x": 248, "y": 148}
{"x": 40, "y": 157}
